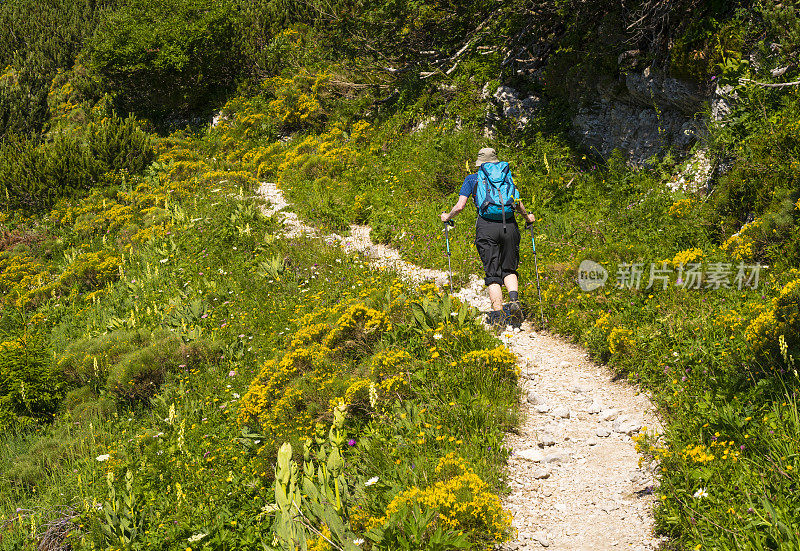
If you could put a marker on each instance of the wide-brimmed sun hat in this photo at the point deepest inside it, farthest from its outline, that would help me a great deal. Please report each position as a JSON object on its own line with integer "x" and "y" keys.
{"x": 487, "y": 155}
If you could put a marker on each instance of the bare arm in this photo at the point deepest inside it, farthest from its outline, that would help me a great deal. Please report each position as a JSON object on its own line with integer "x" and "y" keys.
{"x": 529, "y": 218}
{"x": 458, "y": 207}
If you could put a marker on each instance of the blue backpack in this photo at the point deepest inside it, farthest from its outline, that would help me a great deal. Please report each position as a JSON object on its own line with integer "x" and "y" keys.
{"x": 495, "y": 193}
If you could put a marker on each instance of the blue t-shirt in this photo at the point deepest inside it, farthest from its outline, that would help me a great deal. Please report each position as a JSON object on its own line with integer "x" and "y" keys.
{"x": 468, "y": 187}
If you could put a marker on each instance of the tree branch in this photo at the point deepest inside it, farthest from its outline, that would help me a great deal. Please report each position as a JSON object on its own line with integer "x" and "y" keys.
{"x": 357, "y": 85}
{"x": 459, "y": 53}
{"x": 769, "y": 84}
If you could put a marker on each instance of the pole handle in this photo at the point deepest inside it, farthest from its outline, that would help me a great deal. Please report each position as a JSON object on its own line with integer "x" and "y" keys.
{"x": 447, "y": 225}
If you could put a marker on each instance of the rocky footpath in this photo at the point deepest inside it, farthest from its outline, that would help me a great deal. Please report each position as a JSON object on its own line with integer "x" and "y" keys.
{"x": 574, "y": 473}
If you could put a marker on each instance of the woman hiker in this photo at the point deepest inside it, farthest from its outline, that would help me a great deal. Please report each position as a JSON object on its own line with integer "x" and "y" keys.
{"x": 496, "y": 232}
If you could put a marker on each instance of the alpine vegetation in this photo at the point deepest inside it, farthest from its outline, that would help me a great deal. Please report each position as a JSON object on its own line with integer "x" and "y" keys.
{"x": 181, "y": 370}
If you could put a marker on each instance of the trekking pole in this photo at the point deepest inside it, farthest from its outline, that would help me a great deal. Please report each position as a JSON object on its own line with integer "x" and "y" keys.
{"x": 447, "y": 226}
{"x": 536, "y": 267}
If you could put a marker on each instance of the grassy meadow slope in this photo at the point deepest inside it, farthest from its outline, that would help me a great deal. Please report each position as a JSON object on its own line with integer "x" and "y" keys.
{"x": 191, "y": 342}
{"x": 162, "y": 345}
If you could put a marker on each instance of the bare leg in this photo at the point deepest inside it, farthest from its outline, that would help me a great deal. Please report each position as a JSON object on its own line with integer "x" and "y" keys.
{"x": 511, "y": 282}
{"x": 496, "y": 292}
{"x": 496, "y": 296}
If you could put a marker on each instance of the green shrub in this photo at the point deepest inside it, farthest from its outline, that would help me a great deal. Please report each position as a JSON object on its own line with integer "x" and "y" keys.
{"x": 86, "y": 362}
{"x": 783, "y": 24}
{"x": 139, "y": 374}
{"x": 129, "y": 364}
{"x": 117, "y": 143}
{"x": 163, "y": 58}
{"x": 30, "y": 385}
{"x": 9, "y": 420}
{"x": 37, "y": 39}
{"x": 33, "y": 176}
{"x": 704, "y": 46}
{"x": 762, "y": 189}
{"x": 268, "y": 51}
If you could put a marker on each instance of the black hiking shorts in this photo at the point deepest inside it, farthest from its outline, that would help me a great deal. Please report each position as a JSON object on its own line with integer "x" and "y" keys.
{"x": 499, "y": 251}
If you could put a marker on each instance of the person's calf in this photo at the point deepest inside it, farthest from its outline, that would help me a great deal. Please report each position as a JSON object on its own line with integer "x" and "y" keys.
{"x": 511, "y": 282}
{"x": 496, "y": 296}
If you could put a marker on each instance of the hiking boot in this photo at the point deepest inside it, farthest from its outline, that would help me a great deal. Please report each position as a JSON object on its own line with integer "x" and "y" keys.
{"x": 513, "y": 313}
{"x": 496, "y": 318}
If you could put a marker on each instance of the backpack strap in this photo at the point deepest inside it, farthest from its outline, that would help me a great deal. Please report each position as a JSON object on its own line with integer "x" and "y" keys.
{"x": 486, "y": 180}
{"x": 502, "y": 201}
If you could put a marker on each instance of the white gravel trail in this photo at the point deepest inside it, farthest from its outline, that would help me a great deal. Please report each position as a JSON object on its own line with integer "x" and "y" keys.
{"x": 574, "y": 472}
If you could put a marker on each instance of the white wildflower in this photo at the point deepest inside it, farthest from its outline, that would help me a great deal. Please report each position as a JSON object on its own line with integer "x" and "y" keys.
{"x": 437, "y": 336}
{"x": 104, "y": 457}
{"x": 371, "y": 481}
{"x": 358, "y": 541}
{"x": 196, "y": 537}
{"x": 373, "y": 395}
{"x": 164, "y": 260}
{"x": 701, "y": 493}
